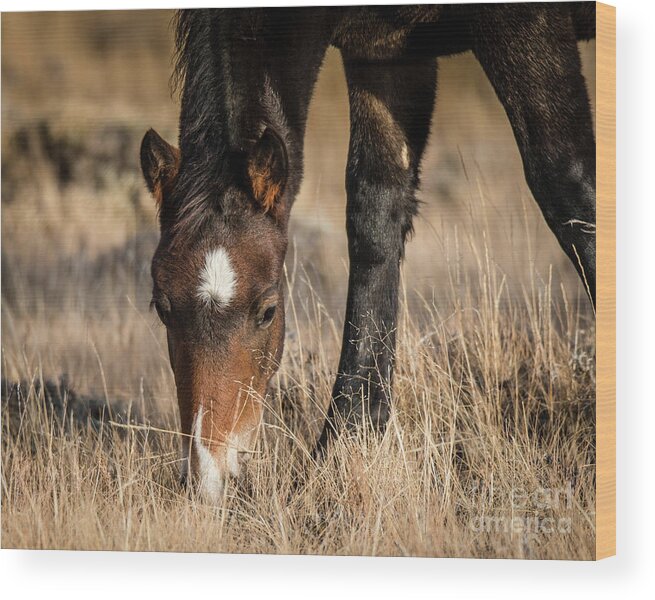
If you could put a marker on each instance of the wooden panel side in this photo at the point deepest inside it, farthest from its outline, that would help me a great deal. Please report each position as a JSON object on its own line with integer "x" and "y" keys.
{"x": 606, "y": 280}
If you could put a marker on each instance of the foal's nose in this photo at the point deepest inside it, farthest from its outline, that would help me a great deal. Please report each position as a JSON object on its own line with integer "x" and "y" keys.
{"x": 214, "y": 460}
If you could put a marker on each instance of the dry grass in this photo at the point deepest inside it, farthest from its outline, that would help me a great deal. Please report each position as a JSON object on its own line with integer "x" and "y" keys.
{"x": 495, "y": 382}
{"x": 494, "y": 417}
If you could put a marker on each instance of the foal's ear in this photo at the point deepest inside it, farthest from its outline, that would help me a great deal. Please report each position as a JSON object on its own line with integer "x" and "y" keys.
{"x": 160, "y": 163}
{"x": 268, "y": 169}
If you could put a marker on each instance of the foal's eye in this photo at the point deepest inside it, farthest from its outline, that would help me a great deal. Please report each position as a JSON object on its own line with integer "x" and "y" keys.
{"x": 163, "y": 308}
{"x": 266, "y": 316}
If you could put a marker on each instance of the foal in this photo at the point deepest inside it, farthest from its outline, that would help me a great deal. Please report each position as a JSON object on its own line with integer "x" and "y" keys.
{"x": 225, "y": 196}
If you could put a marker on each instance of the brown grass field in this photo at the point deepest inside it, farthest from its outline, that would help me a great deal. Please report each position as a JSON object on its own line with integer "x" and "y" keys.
{"x": 491, "y": 448}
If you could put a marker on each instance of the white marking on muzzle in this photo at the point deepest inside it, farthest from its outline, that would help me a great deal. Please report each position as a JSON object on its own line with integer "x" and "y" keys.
{"x": 209, "y": 474}
{"x": 218, "y": 280}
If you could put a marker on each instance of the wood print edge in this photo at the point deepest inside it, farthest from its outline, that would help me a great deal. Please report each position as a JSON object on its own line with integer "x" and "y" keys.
{"x": 606, "y": 281}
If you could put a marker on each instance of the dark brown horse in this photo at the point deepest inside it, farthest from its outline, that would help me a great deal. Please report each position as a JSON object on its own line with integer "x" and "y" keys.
{"x": 225, "y": 196}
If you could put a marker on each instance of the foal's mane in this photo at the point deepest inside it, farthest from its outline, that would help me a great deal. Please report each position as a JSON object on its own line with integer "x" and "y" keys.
{"x": 191, "y": 30}
{"x": 223, "y": 113}
{"x": 202, "y": 119}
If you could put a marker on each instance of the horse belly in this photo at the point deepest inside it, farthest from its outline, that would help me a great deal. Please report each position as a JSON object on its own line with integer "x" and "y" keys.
{"x": 379, "y": 32}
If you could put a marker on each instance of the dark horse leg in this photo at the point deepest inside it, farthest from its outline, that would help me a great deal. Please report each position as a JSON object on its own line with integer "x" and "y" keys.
{"x": 390, "y": 108}
{"x": 531, "y": 58}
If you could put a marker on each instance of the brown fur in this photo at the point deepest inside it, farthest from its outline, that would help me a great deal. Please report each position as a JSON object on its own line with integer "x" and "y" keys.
{"x": 263, "y": 86}
{"x": 219, "y": 366}
{"x": 166, "y": 177}
{"x": 228, "y": 392}
{"x": 160, "y": 163}
{"x": 264, "y": 188}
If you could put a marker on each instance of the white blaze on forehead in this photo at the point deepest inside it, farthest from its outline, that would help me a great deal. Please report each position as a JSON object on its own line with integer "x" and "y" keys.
{"x": 209, "y": 474}
{"x": 218, "y": 280}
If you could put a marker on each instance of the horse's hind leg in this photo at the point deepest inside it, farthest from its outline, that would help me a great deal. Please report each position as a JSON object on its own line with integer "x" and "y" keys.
{"x": 530, "y": 55}
{"x": 390, "y": 108}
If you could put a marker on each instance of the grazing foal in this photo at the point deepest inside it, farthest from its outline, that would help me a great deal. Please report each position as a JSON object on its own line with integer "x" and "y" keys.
{"x": 225, "y": 196}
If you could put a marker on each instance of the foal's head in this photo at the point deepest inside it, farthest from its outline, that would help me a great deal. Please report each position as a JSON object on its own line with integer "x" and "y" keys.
{"x": 217, "y": 287}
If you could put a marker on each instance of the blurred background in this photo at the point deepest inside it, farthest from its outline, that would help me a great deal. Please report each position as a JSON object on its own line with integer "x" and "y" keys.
{"x": 79, "y": 228}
